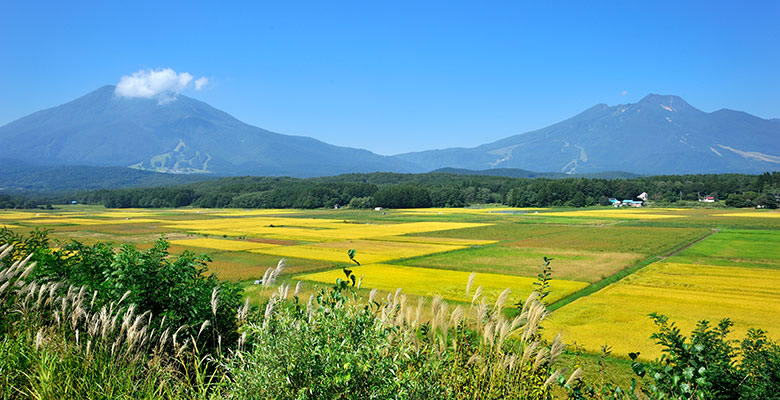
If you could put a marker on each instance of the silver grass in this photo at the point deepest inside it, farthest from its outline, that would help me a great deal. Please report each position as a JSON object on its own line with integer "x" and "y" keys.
{"x": 552, "y": 378}
{"x": 529, "y": 351}
{"x": 541, "y": 357}
{"x": 38, "y": 339}
{"x": 477, "y": 293}
{"x": 470, "y": 282}
{"x": 557, "y": 348}
{"x": 502, "y": 299}
{"x": 575, "y": 376}
{"x": 203, "y": 326}
{"x": 214, "y": 301}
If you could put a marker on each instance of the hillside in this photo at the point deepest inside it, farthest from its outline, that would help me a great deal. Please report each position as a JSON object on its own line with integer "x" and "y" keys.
{"x": 183, "y": 136}
{"x": 661, "y": 134}
{"x": 25, "y": 178}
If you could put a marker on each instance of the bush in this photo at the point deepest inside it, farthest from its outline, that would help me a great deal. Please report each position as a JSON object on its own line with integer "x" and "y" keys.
{"x": 708, "y": 366}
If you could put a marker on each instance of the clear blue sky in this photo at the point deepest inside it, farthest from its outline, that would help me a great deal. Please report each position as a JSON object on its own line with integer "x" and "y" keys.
{"x": 399, "y": 76}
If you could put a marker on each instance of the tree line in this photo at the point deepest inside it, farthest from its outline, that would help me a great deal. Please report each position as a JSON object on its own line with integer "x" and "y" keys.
{"x": 440, "y": 190}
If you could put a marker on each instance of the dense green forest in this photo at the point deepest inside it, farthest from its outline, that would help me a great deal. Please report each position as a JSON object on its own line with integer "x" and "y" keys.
{"x": 441, "y": 190}
{"x": 19, "y": 178}
{"x": 22, "y": 202}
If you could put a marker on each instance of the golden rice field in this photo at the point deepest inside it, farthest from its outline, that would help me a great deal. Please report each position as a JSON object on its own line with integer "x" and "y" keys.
{"x": 370, "y": 251}
{"x": 732, "y": 273}
{"x": 617, "y": 315}
{"x": 220, "y": 244}
{"x": 451, "y": 285}
{"x": 475, "y": 211}
{"x": 761, "y": 214}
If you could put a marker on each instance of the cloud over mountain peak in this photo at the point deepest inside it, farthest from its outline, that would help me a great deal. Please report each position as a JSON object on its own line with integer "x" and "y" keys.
{"x": 164, "y": 84}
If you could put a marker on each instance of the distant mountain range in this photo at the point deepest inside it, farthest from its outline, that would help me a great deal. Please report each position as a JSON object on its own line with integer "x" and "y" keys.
{"x": 521, "y": 173}
{"x": 658, "y": 135}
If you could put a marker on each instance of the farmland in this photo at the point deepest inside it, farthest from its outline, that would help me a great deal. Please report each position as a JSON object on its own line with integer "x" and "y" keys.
{"x": 732, "y": 270}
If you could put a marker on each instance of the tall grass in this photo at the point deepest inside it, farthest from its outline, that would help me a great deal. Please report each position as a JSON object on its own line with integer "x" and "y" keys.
{"x": 56, "y": 343}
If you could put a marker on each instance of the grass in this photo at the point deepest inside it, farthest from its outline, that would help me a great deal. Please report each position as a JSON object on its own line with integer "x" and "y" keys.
{"x": 451, "y": 285}
{"x": 757, "y": 245}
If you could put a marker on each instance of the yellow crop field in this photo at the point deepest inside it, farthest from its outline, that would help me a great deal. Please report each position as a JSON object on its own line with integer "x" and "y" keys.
{"x": 8, "y": 226}
{"x": 368, "y": 251}
{"x": 451, "y": 285}
{"x": 617, "y": 315}
{"x": 85, "y": 221}
{"x": 122, "y": 214}
{"x": 451, "y": 211}
{"x": 751, "y": 214}
{"x": 436, "y": 240}
{"x": 311, "y": 229}
{"x": 617, "y": 213}
{"x": 222, "y": 244}
{"x": 23, "y": 215}
{"x": 240, "y": 213}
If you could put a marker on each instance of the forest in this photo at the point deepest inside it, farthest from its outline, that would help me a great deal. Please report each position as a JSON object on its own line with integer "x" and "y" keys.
{"x": 439, "y": 190}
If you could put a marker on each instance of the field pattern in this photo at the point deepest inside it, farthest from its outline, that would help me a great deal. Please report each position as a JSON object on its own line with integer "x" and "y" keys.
{"x": 732, "y": 273}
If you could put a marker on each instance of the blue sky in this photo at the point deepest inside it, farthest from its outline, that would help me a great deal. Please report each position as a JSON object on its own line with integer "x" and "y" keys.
{"x": 399, "y": 76}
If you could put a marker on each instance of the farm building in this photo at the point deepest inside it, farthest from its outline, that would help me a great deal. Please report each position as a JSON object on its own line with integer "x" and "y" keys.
{"x": 707, "y": 199}
{"x": 632, "y": 203}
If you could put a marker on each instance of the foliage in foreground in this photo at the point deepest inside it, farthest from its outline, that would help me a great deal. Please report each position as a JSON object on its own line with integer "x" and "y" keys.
{"x": 62, "y": 340}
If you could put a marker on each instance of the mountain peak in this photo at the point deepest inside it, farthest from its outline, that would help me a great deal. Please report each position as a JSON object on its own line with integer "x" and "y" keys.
{"x": 666, "y": 101}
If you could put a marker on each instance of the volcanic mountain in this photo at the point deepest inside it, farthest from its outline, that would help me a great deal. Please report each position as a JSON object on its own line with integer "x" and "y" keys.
{"x": 180, "y": 135}
{"x": 661, "y": 134}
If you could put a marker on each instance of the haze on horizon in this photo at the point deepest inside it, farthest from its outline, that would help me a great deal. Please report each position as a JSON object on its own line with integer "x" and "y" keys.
{"x": 394, "y": 77}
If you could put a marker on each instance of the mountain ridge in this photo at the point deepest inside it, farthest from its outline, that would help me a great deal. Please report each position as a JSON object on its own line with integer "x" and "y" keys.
{"x": 671, "y": 136}
{"x": 660, "y": 134}
{"x": 184, "y": 135}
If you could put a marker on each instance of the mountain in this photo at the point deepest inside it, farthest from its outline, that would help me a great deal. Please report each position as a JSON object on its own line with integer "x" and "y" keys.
{"x": 521, "y": 173}
{"x": 25, "y": 178}
{"x": 661, "y": 134}
{"x": 183, "y": 135}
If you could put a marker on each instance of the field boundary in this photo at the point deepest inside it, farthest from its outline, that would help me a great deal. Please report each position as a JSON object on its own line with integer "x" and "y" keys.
{"x": 595, "y": 287}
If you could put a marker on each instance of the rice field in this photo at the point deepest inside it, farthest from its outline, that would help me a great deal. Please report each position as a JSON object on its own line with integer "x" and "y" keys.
{"x": 732, "y": 273}
{"x": 620, "y": 213}
{"x": 756, "y": 214}
{"x": 221, "y": 244}
{"x": 369, "y": 251}
{"x": 576, "y": 265}
{"x": 687, "y": 293}
{"x": 450, "y": 285}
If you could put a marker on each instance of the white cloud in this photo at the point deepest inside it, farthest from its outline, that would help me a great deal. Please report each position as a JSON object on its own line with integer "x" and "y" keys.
{"x": 201, "y": 82}
{"x": 623, "y": 93}
{"x": 162, "y": 84}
